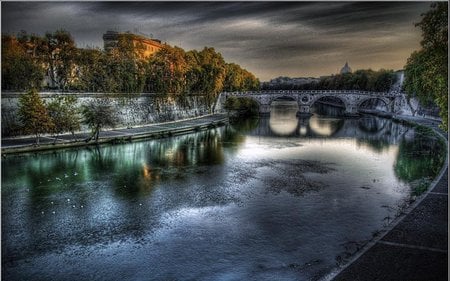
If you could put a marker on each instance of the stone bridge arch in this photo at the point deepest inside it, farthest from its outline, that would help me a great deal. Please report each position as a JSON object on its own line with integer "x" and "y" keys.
{"x": 342, "y": 98}
{"x": 387, "y": 102}
{"x": 283, "y": 97}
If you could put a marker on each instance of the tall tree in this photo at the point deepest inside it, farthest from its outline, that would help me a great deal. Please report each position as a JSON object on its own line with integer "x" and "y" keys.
{"x": 426, "y": 71}
{"x": 34, "y": 115}
{"x": 210, "y": 70}
{"x": 58, "y": 52}
{"x": 167, "y": 71}
{"x": 20, "y": 71}
{"x": 64, "y": 113}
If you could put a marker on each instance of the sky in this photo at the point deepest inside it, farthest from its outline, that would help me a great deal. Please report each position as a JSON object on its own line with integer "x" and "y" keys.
{"x": 270, "y": 39}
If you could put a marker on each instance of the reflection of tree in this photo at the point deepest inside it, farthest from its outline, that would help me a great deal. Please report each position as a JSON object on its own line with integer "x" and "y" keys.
{"x": 419, "y": 158}
{"x": 101, "y": 160}
{"x": 377, "y": 145}
{"x": 370, "y": 124}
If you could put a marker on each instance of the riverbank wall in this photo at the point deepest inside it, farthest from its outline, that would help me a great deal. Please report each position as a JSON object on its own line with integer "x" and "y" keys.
{"x": 132, "y": 109}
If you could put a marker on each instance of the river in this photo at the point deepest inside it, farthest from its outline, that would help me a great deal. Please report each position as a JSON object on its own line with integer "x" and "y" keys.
{"x": 275, "y": 198}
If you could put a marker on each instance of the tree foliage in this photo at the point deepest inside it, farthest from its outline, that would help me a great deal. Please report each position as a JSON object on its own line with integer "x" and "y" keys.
{"x": 57, "y": 50}
{"x": 426, "y": 71}
{"x": 34, "y": 115}
{"x": 19, "y": 70}
{"x": 122, "y": 69}
{"x": 98, "y": 115}
{"x": 363, "y": 80}
{"x": 64, "y": 113}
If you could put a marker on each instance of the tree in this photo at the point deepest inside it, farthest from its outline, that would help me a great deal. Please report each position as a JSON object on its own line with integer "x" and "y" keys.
{"x": 238, "y": 79}
{"x": 64, "y": 114}
{"x": 33, "y": 115}
{"x": 95, "y": 71}
{"x": 97, "y": 115}
{"x": 19, "y": 70}
{"x": 426, "y": 71}
{"x": 167, "y": 71}
{"x": 57, "y": 50}
{"x": 208, "y": 67}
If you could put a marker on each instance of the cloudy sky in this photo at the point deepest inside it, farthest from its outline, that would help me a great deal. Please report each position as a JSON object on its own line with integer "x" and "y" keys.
{"x": 270, "y": 39}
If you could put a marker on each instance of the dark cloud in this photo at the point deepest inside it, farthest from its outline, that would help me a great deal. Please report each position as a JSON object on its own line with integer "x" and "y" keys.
{"x": 268, "y": 38}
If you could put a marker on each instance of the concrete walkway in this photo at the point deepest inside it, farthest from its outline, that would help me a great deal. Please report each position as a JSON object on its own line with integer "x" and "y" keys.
{"x": 416, "y": 245}
{"x": 27, "y": 144}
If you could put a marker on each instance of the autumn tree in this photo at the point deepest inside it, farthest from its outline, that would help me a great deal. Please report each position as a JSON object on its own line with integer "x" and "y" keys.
{"x": 167, "y": 71}
{"x": 92, "y": 71}
{"x": 64, "y": 113}
{"x": 20, "y": 71}
{"x": 34, "y": 115}
{"x": 57, "y": 51}
{"x": 208, "y": 67}
{"x": 99, "y": 114}
{"x": 127, "y": 65}
{"x": 426, "y": 71}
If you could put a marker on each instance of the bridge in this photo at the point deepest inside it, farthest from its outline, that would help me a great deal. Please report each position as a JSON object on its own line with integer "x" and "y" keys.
{"x": 352, "y": 100}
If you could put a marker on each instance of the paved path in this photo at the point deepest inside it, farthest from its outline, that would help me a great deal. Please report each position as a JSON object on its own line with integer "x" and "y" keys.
{"x": 416, "y": 247}
{"x": 26, "y": 144}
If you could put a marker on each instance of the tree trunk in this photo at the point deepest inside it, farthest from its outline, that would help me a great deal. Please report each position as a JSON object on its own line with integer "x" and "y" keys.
{"x": 56, "y": 138}
{"x": 73, "y": 136}
{"x": 97, "y": 131}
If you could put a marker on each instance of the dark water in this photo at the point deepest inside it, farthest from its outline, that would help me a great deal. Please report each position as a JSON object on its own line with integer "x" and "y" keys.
{"x": 279, "y": 198}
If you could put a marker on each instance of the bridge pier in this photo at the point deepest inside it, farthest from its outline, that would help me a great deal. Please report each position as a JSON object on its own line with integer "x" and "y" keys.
{"x": 264, "y": 109}
{"x": 304, "y": 110}
{"x": 351, "y": 111}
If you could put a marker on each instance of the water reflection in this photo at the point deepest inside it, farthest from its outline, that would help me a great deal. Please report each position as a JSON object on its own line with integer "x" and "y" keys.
{"x": 258, "y": 193}
{"x": 375, "y": 133}
{"x": 283, "y": 119}
{"x": 420, "y": 156}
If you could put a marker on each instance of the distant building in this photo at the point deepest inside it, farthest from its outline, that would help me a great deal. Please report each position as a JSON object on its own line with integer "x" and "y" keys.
{"x": 146, "y": 46}
{"x": 346, "y": 69}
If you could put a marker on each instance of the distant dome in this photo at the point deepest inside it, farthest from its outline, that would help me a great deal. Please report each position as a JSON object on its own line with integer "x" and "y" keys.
{"x": 346, "y": 69}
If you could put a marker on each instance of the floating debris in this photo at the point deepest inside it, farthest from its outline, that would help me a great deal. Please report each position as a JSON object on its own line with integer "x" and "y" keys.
{"x": 75, "y": 173}
{"x": 68, "y": 200}
{"x": 57, "y": 178}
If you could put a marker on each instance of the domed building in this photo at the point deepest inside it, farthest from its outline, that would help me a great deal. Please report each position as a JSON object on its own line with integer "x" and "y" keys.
{"x": 346, "y": 69}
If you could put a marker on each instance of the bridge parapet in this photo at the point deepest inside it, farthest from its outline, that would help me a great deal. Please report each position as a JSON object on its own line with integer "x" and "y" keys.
{"x": 313, "y": 92}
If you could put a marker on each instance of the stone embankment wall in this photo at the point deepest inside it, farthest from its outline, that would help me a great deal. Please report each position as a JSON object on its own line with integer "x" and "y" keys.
{"x": 132, "y": 109}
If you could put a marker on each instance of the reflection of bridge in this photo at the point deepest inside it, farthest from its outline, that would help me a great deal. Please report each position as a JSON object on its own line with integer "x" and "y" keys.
{"x": 352, "y": 100}
{"x": 367, "y": 128}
